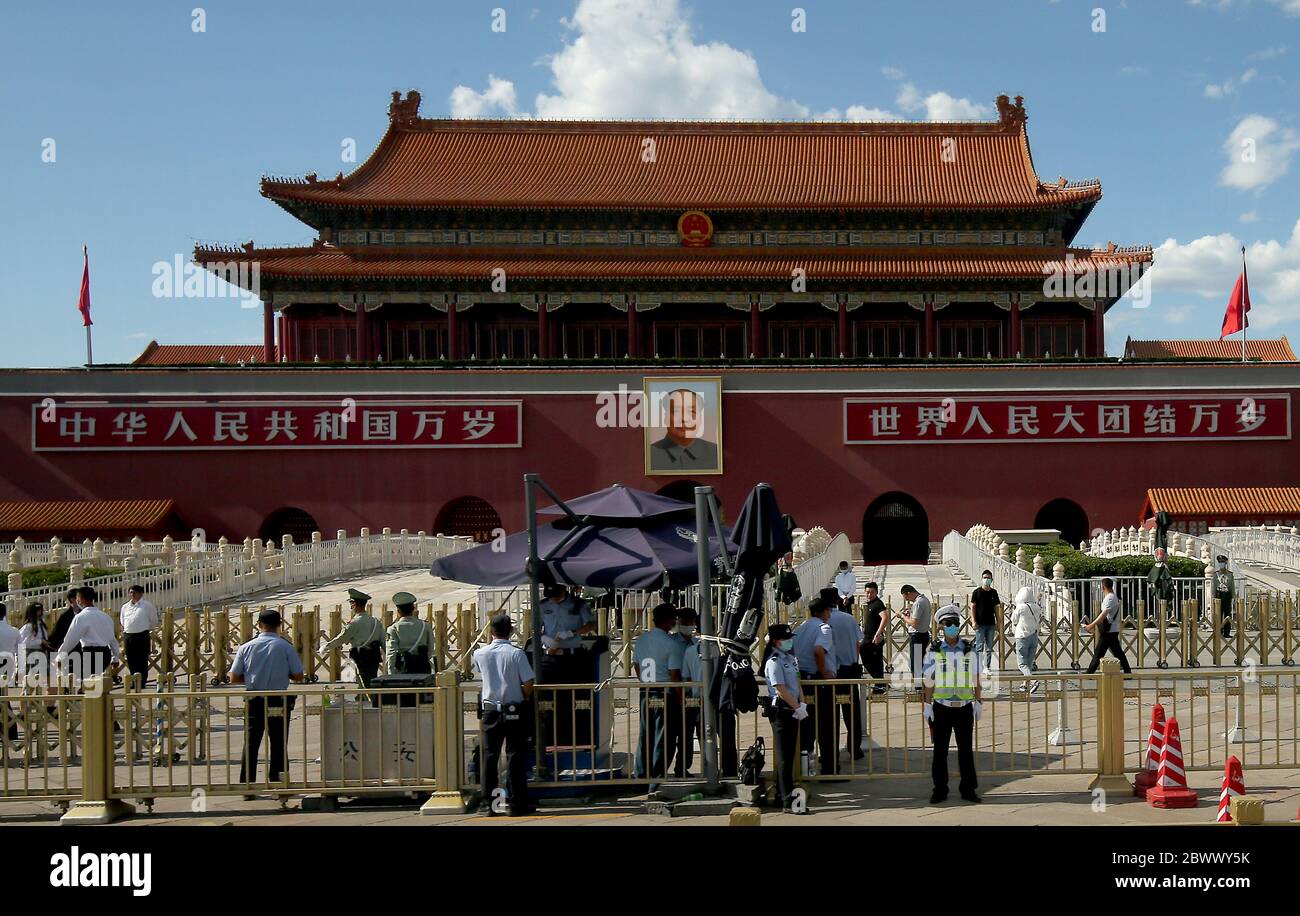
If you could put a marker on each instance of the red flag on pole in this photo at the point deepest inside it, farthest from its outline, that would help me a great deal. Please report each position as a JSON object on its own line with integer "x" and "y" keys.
{"x": 83, "y": 301}
{"x": 1234, "y": 319}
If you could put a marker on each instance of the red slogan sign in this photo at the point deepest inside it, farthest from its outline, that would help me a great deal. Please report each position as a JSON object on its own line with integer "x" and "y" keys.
{"x": 1091, "y": 418}
{"x": 315, "y": 424}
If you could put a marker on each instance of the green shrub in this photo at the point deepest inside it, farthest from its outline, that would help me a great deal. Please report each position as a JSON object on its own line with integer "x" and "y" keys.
{"x": 39, "y": 576}
{"x": 1081, "y": 566}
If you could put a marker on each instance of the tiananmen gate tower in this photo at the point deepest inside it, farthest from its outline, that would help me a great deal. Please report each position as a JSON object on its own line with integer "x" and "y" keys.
{"x": 891, "y": 323}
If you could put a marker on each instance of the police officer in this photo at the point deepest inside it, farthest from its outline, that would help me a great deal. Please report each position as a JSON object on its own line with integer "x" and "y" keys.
{"x": 365, "y": 636}
{"x": 268, "y": 662}
{"x": 565, "y": 619}
{"x": 657, "y": 655}
{"x": 503, "y": 718}
{"x": 952, "y": 704}
{"x": 409, "y": 641}
{"x": 848, "y": 666}
{"x": 1225, "y": 588}
{"x": 814, "y": 650}
{"x": 785, "y": 708}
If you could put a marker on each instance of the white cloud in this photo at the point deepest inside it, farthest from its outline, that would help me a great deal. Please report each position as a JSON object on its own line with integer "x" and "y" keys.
{"x": 497, "y": 99}
{"x": 1292, "y": 7}
{"x": 1259, "y": 153}
{"x": 1208, "y": 267}
{"x": 1267, "y": 53}
{"x": 1229, "y": 86}
{"x": 632, "y": 59}
{"x": 1250, "y": 216}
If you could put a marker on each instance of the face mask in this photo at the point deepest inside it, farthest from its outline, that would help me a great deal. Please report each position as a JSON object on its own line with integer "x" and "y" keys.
{"x": 784, "y": 645}
{"x": 988, "y": 582}
{"x": 951, "y": 631}
{"x": 685, "y": 629}
{"x": 1223, "y": 566}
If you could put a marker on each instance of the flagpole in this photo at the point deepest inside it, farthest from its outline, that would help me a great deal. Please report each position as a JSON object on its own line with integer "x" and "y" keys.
{"x": 90, "y": 360}
{"x": 1245, "y": 296}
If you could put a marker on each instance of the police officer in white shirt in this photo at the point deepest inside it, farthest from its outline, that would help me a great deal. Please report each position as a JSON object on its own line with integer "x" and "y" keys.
{"x": 503, "y": 715}
{"x": 139, "y": 620}
{"x": 91, "y": 637}
{"x": 814, "y": 649}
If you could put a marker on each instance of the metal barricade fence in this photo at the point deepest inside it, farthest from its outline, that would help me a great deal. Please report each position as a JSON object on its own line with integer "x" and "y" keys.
{"x": 41, "y": 752}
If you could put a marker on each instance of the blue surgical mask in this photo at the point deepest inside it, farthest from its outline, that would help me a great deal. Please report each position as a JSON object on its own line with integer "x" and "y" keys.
{"x": 951, "y": 631}
{"x": 783, "y": 645}
{"x": 988, "y": 582}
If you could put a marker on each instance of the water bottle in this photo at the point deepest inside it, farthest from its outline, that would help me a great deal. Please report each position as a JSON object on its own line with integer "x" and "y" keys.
{"x": 694, "y": 796}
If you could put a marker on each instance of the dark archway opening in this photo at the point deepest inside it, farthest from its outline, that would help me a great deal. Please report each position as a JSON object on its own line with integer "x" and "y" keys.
{"x": 296, "y": 523}
{"x": 1065, "y": 515}
{"x": 895, "y": 529}
{"x": 470, "y": 516}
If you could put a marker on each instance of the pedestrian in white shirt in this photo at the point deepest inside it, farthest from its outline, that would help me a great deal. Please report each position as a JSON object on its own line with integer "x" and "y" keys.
{"x": 1026, "y": 615}
{"x": 139, "y": 620}
{"x": 92, "y": 637}
{"x": 8, "y": 666}
{"x": 846, "y": 584}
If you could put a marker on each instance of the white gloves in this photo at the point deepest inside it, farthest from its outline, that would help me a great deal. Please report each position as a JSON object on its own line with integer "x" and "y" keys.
{"x": 928, "y": 710}
{"x": 801, "y": 713}
{"x": 978, "y": 707}
{"x": 563, "y": 634}
{"x": 548, "y": 642}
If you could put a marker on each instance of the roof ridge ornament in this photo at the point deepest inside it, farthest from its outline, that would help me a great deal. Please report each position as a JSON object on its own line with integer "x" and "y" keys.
{"x": 1011, "y": 116}
{"x": 403, "y": 111}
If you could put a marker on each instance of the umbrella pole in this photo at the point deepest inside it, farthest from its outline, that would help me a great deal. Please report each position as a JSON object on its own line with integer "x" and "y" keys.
{"x": 530, "y": 507}
{"x": 708, "y": 649}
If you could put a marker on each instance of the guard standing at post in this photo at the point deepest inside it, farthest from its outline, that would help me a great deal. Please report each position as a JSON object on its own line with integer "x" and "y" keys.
{"x": 409, "y": 641}
{"x": 503, "y": 715}
{"x": 848, "y": 667}
{"x": 139, "y": 619}
{"x": 565, "y": 620}
{"x": 365, "y": 636}
{"x": 952, "y": 704}
{"x": 814, "y": 650}
{"x": 1225, "y": 588}
{"x": 266, "y": 662}
{"x": 785, "y": 707}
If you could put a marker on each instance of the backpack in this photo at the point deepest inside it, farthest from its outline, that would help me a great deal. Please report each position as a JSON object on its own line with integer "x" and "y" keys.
{"x": 752, "y": 763}
{"x": 416, "y": 659}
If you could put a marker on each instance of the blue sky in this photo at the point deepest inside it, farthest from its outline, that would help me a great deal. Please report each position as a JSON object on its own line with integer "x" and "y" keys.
{"x": 160, "y": 132}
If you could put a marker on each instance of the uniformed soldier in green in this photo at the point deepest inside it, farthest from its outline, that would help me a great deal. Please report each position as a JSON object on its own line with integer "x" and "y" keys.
{"x": 1162, "y": 585}
{"x": 409, "y": 640}
{"x": 952, "y": 704}
{"x": 365, "y": 635}
{"x": 1225, "y": 589}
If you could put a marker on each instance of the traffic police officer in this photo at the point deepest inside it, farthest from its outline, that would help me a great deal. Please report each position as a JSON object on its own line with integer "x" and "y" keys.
{"x": 814, "y": 650}
{"x": 409, "y": 641}
{"x": 1225, "y": 587}
{"x": 507, "y": 685}
{"x": 266, "y": 662}
{"x": 785, "y": 708}
{"x": 952, "y": 704}
{"x": 365, "y": 635}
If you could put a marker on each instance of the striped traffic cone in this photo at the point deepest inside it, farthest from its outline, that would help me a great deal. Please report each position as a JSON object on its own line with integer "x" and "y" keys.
{"x": 1170, "y": 789}
{"x": 1234, "y": 786}
{"x": 1155, "y": 745}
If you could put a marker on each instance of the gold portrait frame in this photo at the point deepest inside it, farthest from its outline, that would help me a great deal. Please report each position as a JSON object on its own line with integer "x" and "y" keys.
{"x": 713, "y": 382}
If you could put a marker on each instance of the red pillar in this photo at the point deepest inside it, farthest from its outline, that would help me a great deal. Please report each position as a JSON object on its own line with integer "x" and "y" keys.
{"x": 268, "y": 331}
{"x": 280, "y": 324}
{"x": 1015, "y": 326}
{"x": 543, "y": 332}
{"x": 929, "y": 327}
{"x": 363, "y": 334}
{"x": 843, "y": 326}
{"x": 452, "y": 349}
{"x": 755, "y": 328}
{"x": 633, "y": 344}
{"x": 1099, "y": 329}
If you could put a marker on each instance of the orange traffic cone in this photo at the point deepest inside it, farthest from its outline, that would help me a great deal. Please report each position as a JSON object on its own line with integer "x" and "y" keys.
{"x": 1155, "y": 745}
{"x": 1170, "y": 790}
{"x": 1234, "y": 786}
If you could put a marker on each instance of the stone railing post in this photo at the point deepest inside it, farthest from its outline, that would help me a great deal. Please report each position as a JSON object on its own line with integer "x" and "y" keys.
{"x": 257, "y": 558}
{"x": 19, "y": 544}
{"x": 75, "y": 576}
{"x": 315, "y": 554}
{"x": 386, "y": 548}
{"x": 364, "y": 550}
{"x": 1110, "y": 732}
{"x": 1038, "y": 565}
{"x": 97, "y": 806}
{"x": 15, "y": 560}
{"x": 56, "y": 551}
{"x": 341, "y": 539}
